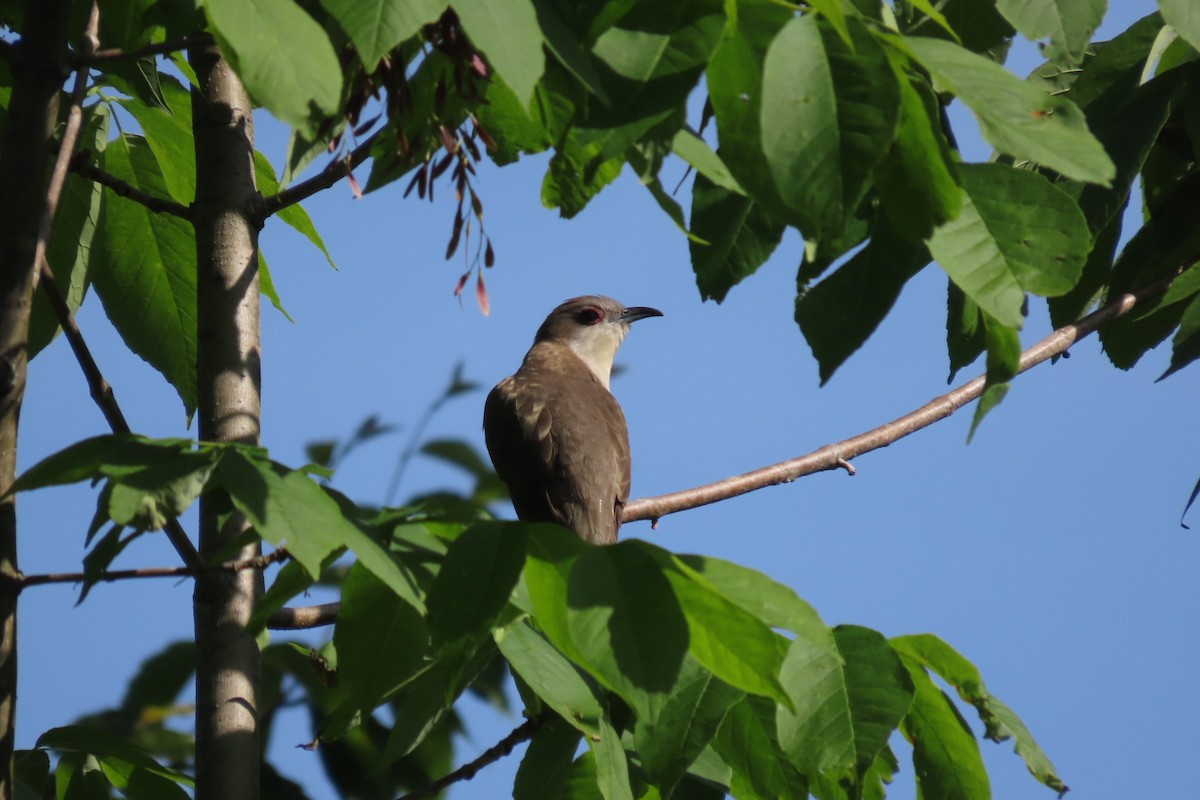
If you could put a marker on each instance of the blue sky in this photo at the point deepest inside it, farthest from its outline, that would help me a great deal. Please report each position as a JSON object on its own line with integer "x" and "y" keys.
{"x": 1048, "y": 551}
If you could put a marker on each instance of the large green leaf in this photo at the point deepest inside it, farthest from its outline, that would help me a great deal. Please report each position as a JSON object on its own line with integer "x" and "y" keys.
{"x": 839, "y": 314}
{"x": 946, "y": 757}
{"x": 284, "y": 58}
{"x": 627, "y": 624}
{"x": 476, "y": 579}
{"x": 612, "y": 767}
{"x": 126, "y": 766}
{"x": 380, "y": 639}
{"x": 377, "y": 26}
{"x": 1183, "y": 16}
{"x": 689, "y": 719}
{"x": 1067, "y": 24}
{"x": 547, "y": 762}
{"x": 829, "y": 113}
{"x": 168, "y": 132}
{"x": 508, "y": 33}
{"x": 294, "y": 215}
{"x": 739, "y": 237}
{"x": 1017, "y": 118}
{"x": 1003, "y": 359}
{"x": 144, "y": 270}
{"x": 1016, "y": 232}
{"x": 112, "y": 455}
{"x": 747, "y": 742}
{"x": 1000, "y": 722}
{"x": 551, "y": 677}
{"x": 70, "y": 247}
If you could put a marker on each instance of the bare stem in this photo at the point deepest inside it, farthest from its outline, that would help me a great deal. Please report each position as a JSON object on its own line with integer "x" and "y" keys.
{"x": 162, "y": 205}
{"x": 162, "y": 48}
{"x": 838, "y": 455}
{"x": 257, "y": 562}
{"x": 303, "y": 617}
{"x": 521, "y": 733}
{"x": 333, "y": 172}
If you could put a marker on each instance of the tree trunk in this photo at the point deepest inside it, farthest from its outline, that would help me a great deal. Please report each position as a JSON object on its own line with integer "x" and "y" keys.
{"x": 37, "y": 78}
{"x": 228, "y": 369}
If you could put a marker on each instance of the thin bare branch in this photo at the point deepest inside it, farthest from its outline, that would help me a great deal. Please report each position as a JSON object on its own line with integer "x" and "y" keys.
{"x": 163, "y": 205}
{"x": 333, "y": 172}
{"x": 102, "y": 393}
{"x": 162, "y": 48}
{"x": 258, "y": 562}
{"x": 303, "y": 617}
{"x": 521, "y": 733}
{"x": 833, "y": 456}
{"x": 837, "y": 456}
{"x": 58, "y": 177}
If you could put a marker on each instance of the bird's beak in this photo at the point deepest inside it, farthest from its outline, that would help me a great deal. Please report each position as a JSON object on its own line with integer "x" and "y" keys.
{"x": 638, "y": 312}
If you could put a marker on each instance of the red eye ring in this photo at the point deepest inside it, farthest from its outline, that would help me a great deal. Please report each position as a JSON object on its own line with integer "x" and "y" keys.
{"x": 591, "y": 316}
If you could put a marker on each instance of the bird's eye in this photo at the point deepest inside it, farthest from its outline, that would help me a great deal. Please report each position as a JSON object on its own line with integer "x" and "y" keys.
{"x": 590, "y": 316}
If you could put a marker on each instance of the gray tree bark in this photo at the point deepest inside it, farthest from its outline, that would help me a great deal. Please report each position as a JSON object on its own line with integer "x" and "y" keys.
{"x": 24, "y": 153}
{"x": 228, "y": 371}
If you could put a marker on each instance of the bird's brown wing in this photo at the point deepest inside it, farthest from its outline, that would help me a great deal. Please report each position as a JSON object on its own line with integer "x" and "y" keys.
{"x": 565, "y": 457}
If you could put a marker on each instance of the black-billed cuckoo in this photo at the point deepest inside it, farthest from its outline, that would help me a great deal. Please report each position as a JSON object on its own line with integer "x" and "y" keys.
{"x": 554, "y": 431}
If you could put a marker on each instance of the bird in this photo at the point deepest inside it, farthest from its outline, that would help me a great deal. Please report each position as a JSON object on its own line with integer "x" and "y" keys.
{"x": 554, "y": 431}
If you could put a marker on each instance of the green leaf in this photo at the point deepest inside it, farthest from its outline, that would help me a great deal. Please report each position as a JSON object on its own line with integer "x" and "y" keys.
{"x": 144, "y": 269}
{"x": 547, "y": 762}
{"x": 123, "y": 763}
{"x": 999, "y": 720}
{"x": 626, "y": 623}
{"x": 1003, "y": 361}
{"x": 1186, "y": 346}
{"x": 1068, "y": 24}
{"x": 551, "y": 677}
{"x": 282, "y": 55}
{"x": 508, "y": 33}
{"x": 812, "y": 78}
{"x": 688, "y": 721}
{"x": 1017, "y": 118}
{"x": 1016, "y": 232}
{"x": 946, "y": 757}
{"x": 475, "y": 582}
{"x": 380, "y": 639}
{"x": 69, "y": 250}
{"x": 79, "y": 777}
{"x": 612, "y": 767}
{"x": 917, "y": 179}
{"x": 552, "y": 552}
{"x": 1184, "y": 17}
{"x": 148, "y": 498}
{"x": 112, "y": 455}
{"x": 266, "y": 286}
{"x": 740, "y": 236}
{"x": 512, "y": 127}
{"x": 565, "y": 47}
{"x": 160, "y": 679}
{"x": 747, "y": 742}
{"x": 377, "y": 26}
{"x": 965, "y": 334}
{"x": 31, "y": 774}
{"x": 168, "y": 132}
{"x": 695, "y": 151}
{"x": 730, "y": 642}
{"x": 289, "y": 507}
{"x": 840, "y": 313}
{"x": 879, "y": 689}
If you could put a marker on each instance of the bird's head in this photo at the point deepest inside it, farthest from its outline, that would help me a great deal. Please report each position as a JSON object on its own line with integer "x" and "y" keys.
{"x": 593, "y": 327}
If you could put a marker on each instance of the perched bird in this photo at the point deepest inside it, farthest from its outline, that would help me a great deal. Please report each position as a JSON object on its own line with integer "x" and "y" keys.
{"x": 554, "y": 431}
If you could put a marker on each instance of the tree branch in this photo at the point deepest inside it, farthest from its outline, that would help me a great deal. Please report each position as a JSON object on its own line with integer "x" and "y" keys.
{"x": 163, "y": 205}
{"x": 102, "y": 393}
{"x": 831, "y": 456}
{"x": 257, "y": 562}
{"x": 834, "y": 456}
{"x": 162, "y": 48}
{"x": 333, "y": 172}
{"x": 521, "y": 733}
{"x": 303, "y": 617}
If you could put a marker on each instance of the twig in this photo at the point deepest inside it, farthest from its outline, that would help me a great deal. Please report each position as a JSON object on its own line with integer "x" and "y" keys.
{"x": 162, "y": 48}
{"x": 58, "y": 177}
{"x": 258, "y": 562}
{"x": 87, "y": 169}
{"x": 333, "y": 172}
{"x": 102, "y": 393}
{"x": 835, "y": 456}
{"x": 303, "y": 617}
{"x": 521, "y": 733}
